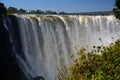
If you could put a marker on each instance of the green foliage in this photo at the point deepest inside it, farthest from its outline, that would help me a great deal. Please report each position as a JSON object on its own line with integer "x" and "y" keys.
{"x": 22, "y": 11}
{"x": 14, "y": 10}
{"x": 116, "y": 10}
{"x": 39, "y": 12}
{"x": 94, "y": 66}
{"x": 50, "y": 12}
{"x": 117, "y": 4}
{"x": 11, "y": 10}
{"x": 62, "y": 12}
{"x": 2, "y": 9}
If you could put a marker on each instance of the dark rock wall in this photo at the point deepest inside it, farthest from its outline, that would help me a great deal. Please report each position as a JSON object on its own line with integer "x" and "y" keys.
{"x": 9, "y": 65}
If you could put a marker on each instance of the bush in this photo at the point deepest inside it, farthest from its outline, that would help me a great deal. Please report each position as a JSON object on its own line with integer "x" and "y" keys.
{"x": 2, "y": 9}
{"x": 116, "y": 10}
{"x": 94, "y": 66}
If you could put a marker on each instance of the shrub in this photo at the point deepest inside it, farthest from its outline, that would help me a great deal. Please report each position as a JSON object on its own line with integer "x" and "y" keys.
{"x": 116, "y": 10}
{"x": 94, "y": 66}
{"x": 2, "y": 9}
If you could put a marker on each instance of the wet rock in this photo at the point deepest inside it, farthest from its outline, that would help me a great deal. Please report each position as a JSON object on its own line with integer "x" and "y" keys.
{"x": 39, "y": 78}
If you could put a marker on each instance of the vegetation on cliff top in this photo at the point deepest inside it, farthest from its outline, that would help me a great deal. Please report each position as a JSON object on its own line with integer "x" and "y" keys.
{"x": 14, "y": 10}
{"x": 2, "y": 9}
{"x": 116, "y": 10}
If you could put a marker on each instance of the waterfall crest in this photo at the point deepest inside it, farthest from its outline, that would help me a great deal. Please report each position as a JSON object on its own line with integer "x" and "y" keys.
{"x": 47, "y": 41}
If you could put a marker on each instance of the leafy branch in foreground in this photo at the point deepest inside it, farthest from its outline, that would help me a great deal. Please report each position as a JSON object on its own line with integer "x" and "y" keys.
{"x": 116, "y": 10}
{"x": 94, "y": 66}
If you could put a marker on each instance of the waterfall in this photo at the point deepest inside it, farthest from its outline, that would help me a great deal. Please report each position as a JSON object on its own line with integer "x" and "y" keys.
{"x": 47, "y": 41}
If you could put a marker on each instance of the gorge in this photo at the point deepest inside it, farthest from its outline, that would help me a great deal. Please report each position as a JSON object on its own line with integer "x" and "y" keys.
{"x": 42, "y": 43}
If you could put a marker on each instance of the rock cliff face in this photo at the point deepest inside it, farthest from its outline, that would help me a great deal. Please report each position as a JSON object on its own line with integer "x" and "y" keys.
{"x": 9, "y": 67}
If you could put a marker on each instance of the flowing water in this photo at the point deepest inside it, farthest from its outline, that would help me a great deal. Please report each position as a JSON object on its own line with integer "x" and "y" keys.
{"x": 49, "y": 40}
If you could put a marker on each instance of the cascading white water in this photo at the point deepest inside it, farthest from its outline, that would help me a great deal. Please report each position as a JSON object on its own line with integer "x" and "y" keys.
{"x": 49, "y": 40}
